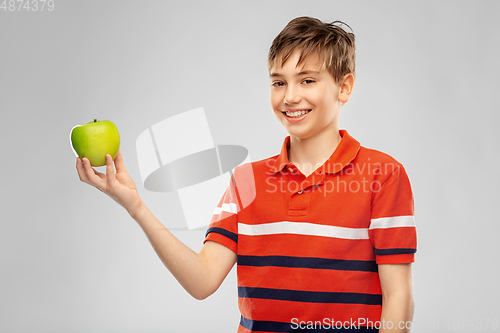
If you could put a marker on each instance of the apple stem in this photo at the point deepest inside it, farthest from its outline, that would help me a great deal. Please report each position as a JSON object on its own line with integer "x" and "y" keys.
{"x": 95, "y": 120}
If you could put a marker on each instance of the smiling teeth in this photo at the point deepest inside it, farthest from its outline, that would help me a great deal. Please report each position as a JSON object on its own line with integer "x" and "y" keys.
{"x": 297, "y": 113}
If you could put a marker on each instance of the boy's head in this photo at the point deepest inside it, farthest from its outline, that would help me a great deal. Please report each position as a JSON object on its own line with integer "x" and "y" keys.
{"x": 311, "y": 68}
{"x": 331, "y": 44}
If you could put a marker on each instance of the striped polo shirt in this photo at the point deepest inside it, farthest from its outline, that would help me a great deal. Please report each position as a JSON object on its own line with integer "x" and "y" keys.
{"x": 309, "y": 247}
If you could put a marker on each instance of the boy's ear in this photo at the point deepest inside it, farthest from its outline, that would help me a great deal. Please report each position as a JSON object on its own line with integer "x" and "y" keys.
{"x": 345, "y": 88}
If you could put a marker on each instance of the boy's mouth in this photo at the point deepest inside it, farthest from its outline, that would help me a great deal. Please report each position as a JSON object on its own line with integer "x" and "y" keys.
{"x": 295, "y": 113}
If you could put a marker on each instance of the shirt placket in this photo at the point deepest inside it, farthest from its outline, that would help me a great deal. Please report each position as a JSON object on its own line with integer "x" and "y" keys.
{"x": 300, "y": 190}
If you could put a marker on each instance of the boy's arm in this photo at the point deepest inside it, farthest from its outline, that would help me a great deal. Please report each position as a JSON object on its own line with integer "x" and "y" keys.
{"x": 199, "y": 273}
{"x": 396, "y": 281}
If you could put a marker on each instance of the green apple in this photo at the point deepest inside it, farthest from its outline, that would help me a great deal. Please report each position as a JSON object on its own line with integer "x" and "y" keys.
{"x": 94, "y": 140}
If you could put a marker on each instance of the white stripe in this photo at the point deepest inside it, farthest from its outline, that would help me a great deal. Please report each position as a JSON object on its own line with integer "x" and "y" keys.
{"x": 230, "y": 207}
{"x": 393, "y": 222}
{"x": 302, "y": 228}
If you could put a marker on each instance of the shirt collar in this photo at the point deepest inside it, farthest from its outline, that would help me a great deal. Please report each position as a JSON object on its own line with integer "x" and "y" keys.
{"x": 345, "y": 152}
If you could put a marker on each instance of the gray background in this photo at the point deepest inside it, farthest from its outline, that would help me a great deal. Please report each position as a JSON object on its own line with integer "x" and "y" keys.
{"x": 71, "y": 260}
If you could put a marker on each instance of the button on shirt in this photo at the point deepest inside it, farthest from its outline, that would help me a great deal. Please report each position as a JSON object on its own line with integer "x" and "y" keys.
{"x": 309, "y": 247}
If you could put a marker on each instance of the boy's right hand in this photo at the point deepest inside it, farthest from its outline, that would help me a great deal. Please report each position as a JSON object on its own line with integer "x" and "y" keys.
{"x": 118, "y": 186}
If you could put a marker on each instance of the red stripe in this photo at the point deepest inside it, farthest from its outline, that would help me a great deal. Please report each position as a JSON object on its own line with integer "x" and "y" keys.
{"x": 307, "y": 279}
{"x": 306, "y": 246}
{"x": 389, "y": 238}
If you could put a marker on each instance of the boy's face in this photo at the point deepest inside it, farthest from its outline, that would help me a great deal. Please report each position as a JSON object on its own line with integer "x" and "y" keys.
{"x": 308, "y": 87}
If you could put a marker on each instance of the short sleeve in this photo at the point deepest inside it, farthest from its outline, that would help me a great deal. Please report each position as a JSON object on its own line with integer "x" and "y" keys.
{"x": 392, "y": 226}
{"x": 223, "y": 227}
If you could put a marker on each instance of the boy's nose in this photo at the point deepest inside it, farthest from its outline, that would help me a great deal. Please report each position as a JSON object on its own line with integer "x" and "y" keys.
{"x": 291, "y": 96}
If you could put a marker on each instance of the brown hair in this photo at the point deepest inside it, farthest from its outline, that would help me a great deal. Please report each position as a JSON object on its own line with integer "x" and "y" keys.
{"x": 333, "y": 45}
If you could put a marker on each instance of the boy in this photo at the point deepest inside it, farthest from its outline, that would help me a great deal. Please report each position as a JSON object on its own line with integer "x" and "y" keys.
{"x": 329, "y": 239}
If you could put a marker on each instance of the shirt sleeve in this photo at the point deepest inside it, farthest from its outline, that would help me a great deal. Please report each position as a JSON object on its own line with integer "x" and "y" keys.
{"x": 223, "y": 227}
{"x": 392, "y": 228}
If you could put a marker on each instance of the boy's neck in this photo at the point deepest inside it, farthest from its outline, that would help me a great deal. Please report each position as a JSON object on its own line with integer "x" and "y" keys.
{"x": 309, "y": 154}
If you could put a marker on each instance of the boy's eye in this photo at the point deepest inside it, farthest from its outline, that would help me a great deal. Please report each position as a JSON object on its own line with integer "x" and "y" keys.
{"x": 308, "y": 81}
{"x": 277, "y": 84}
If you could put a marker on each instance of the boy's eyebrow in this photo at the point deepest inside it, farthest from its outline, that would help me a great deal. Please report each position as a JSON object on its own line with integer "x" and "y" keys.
{"x": 305, "y": 72}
